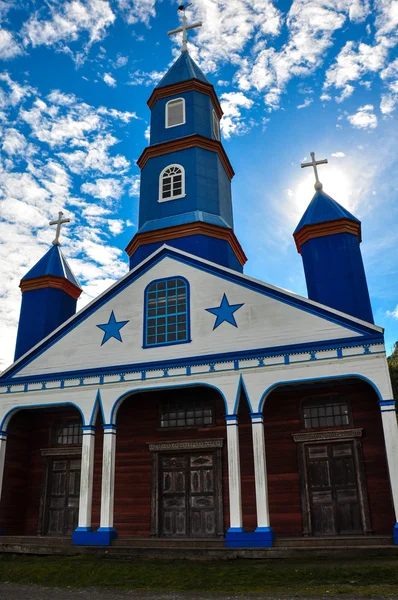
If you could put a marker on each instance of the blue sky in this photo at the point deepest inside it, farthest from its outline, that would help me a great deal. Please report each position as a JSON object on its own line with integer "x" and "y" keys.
{"x": 292, "y": 76}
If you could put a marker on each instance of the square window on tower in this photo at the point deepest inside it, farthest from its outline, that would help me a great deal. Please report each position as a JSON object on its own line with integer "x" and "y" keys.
{"x": 175, "y": 112}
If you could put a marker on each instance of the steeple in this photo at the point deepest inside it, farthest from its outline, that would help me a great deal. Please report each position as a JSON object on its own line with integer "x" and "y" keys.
{"x": 49, "y": 296}
{"x": 185, "y": 195}
{"x": 328, "y": 238}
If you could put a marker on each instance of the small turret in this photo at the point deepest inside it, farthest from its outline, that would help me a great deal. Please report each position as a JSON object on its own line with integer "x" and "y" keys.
{"x": 328, "y": 238}
{"x": 49, "y": 296}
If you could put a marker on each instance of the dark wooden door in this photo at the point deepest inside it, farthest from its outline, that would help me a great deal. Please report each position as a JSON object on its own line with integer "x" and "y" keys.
{"x": 63, "y": 496}
{"x": 333, "y": 489}
{"x": 187, "y": 495}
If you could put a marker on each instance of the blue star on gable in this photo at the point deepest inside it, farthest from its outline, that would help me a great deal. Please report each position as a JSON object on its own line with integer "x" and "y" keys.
{"x": 112, "y": 329}
{"x": 225, "y": 312}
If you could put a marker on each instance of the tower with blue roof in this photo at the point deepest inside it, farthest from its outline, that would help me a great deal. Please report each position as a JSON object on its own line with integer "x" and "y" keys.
{"x": 328, "y": 238}
{"x": 49, "y": 296}
{"x": 185, "y": 197}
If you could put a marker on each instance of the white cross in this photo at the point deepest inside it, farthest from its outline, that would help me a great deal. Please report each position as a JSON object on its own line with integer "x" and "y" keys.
{"x": 314, "y": 163}
{"x": 60, "y": 221}
{"x": 184, "y": 28}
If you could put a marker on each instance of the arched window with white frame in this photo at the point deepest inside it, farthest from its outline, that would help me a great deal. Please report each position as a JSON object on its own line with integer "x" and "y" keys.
{"x": 172, "y": 183}
{"x": 175, "y": 112}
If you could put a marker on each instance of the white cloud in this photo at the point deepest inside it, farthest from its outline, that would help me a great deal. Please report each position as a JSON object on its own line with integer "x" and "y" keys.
{"x": 393, "y": 313}
{"x": 9, "y": 48}
{"x": 14, "y": 142}
{"x": 109, "y": 80}
{"x": 104, "y": 188}
{"x": 232, "y": 122}
{"x": 364, "y": 118}
{"x": 338, "y": 154}
{"x": 306, "y": 103}
{"x": 137, "y": 10}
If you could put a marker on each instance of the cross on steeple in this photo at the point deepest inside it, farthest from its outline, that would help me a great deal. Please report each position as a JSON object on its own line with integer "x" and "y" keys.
{"x": 314, "y": 163}
{"x": 184, "y": 28}
{"x": 60, "y": 221}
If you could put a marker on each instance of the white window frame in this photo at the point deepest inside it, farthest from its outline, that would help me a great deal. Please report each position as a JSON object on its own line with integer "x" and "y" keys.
{"x": 167, "y": 113}
{"x": 216, "y": 130}
{"x": 182, "y": 195}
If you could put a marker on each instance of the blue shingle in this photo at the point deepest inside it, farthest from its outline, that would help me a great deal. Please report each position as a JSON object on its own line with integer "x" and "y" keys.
{"x": 323, "y": 208}
{"x": 183, "y": 69}
{"x": 52, "y": 263}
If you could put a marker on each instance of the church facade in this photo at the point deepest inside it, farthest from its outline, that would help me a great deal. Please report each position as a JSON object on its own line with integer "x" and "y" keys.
{"x": 190, "y": 401}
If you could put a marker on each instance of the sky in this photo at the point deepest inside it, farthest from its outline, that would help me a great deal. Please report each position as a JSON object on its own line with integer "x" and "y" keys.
{"x": 292, "y": 77}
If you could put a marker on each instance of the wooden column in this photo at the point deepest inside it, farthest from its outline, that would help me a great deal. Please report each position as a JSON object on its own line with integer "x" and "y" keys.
{"x": 108, "y": 480}
{"x": 389, "y": 420}
{"x": 234, "y": 480}
{"x": 86, "y": 479}
{"x": 260, "y": 472}
{"x": 3, "y": 442}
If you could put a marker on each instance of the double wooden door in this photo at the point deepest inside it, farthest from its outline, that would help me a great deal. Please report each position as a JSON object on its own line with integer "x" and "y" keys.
{"x": 62, "y": 502}
{"x": 190, "y": 503}
{"x": 333, "y": 489}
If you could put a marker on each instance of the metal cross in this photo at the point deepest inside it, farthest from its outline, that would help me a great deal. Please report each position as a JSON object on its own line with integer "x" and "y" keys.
{"x": 314, "y": 163}
{"x": 60, "y": 221}
{"x": 184, "y": 28}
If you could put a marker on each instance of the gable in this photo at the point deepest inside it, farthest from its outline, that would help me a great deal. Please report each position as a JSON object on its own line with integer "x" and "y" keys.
{"x": 266, "y": 318}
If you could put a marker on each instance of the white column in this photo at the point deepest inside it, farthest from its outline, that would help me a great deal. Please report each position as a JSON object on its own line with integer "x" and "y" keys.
{"x": 108, "y": 477}
{"x": 235, "y": 496}
{"x": 260, "y": 471}
{"x": 86, "y": 479}
{"x": 3, "y": 443}
{"x": 390, "y": 430}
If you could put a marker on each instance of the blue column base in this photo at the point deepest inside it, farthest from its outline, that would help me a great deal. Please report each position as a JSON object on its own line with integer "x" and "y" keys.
{"x": 395, "y": 533}
{"x": 85, "y": 536}
{"x": 262, "y": 537}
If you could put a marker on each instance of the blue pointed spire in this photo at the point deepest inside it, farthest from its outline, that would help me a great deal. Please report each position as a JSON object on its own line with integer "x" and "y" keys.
{"x": 323, "y": 208}
{"x": 52, "y": 263}
{"x": 183, "y": 69}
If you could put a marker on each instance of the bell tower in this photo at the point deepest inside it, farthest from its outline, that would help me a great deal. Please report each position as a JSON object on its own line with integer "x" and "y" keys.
{"x": 185, "y": 197}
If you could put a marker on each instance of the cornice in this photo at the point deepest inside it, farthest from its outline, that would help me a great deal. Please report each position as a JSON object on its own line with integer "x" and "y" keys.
{"x": 308, "y": 232}
{"x": 186, "y": 86}
{"x": 50, "y": 281}
{"x": 179, "y": 231}
{"x": 190, "y": 141}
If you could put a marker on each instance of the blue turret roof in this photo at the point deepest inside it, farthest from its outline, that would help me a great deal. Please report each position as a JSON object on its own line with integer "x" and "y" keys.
{"x": 183, "y": 69}
{"x": 52, "y": 263}
{"x": 323, "y": 208}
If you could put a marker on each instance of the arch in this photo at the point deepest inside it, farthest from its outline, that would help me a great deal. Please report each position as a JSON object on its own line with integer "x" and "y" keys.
{"x": 8, "y": 416}
{"x": 166, "y": 315}
{"x": 97, "y": 409}
{"x": 119, "y": 401}
{"x": 172, "y": 183}
{"x": 313, "y": 379}
{"x": 175, "y": 112}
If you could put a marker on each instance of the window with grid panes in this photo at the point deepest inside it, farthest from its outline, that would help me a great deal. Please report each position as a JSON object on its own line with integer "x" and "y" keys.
{"x": 166, "y": 318}
{"x": 192, "y": 412}
{"x": 67, "y": 433}
{"x": 172, "y": 183}
{"x": 330, "y": 413}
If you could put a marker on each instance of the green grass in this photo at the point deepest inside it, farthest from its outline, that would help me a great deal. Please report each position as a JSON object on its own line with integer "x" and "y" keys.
{"x": 346, "y": 578}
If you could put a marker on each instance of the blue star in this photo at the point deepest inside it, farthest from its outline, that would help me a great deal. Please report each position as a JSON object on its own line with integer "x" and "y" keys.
{"x": 225, "y": 312}
{"x": 112, "y": 329}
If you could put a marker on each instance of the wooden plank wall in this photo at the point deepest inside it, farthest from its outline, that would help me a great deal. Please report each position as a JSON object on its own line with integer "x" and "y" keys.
{"x": 138, "y": 424}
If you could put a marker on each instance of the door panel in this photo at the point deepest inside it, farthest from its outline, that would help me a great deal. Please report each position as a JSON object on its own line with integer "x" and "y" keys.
{"x": 63, "y": 497}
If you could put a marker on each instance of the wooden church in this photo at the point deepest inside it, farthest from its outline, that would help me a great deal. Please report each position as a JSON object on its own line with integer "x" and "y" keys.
{"x": 190, "y": 401}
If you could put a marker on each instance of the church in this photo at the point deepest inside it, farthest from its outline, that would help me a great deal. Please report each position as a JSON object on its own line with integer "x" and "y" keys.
{"x": 189, "y": 401}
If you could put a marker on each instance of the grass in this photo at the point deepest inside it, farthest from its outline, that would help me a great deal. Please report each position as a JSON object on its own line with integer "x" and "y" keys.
{"x": 358, "y": 578}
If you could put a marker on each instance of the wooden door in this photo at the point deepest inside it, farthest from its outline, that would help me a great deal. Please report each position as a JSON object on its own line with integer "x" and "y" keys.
{"x": 333, "y": 489}
{"x": 63, "y": 496}
{"x": 187, "y": 495}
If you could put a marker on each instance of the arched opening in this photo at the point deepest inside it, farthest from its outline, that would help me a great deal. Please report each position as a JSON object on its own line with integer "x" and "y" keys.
{"x": 326, "y": 460}
{"x": 41, "y": 484}
{"x": 171, "y": 477}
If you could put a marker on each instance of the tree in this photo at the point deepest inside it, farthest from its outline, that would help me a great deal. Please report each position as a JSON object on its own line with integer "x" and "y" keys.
{"x": 393, "y": 366}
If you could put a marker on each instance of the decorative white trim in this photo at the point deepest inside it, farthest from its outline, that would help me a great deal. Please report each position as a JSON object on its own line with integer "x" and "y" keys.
{"x": 182, "y": 195}
{"x": 167, "y": 126}
{"x": 186, "y": 445}
{"x": 321, "y": 436}
{"x": 61, "y": 452}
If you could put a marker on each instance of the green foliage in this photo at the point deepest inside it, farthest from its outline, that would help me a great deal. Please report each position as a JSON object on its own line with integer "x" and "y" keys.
{"x": 393, "y": 366}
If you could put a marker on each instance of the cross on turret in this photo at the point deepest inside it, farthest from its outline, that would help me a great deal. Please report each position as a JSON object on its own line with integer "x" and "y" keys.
{"x": 314, "y": 163}
{"x": 184, "y": 28}
{"x": 59, "y": 222}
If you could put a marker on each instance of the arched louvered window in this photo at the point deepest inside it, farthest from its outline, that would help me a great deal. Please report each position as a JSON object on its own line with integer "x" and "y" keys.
{"x": 166, "y": 312}
{"x": 172, "y": 183}
{"x": 216, "y": 126}
{"x": 175, "y": 112}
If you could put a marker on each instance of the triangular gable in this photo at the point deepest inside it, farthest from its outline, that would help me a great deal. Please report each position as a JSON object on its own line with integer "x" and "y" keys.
{"x": 269, "y": 319}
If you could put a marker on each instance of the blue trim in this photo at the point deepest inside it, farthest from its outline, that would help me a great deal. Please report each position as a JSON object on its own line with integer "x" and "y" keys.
{"x": 187, "y": 313}
{"x": 303, "y": 381}
{"x": 231, "y": 417}
{"x": 235, "y": 530}
{"x": 85, "y": 536}
{"x": 241, "y": 385}
{"x": 121, "y": 398}
{"x": 88, "y": 428}
{"x": 28, "y": 406}
{"x": 235, "y": 277}
{"x": 109, "y": 427}
{"x": 97, "y": 406}
{"x": 387, "y": 402}
{"x": 262, "y": 537}
{"x": 395, "y": 534}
